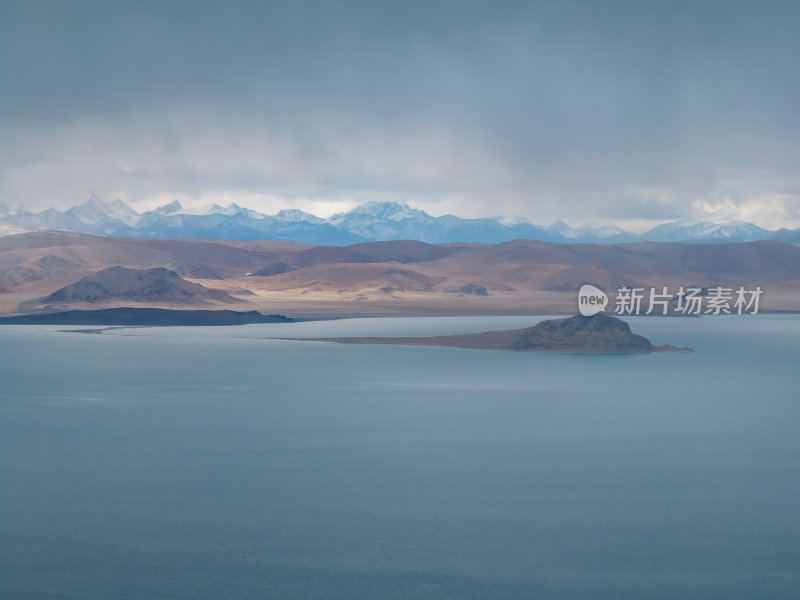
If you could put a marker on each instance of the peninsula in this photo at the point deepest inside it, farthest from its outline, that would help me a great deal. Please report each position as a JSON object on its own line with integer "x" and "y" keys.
{"x": 598, "y": 334}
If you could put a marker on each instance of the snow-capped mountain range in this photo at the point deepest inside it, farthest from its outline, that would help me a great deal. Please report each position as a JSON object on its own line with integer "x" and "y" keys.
{"x": 372, "y": 221}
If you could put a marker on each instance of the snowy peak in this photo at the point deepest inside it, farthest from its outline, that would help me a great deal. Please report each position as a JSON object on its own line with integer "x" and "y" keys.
{"x": 92, "y": 211}
{"x": 394, "y": 211}
{"x": 232, "y": 210}
{"x": 563, "y": 229}
{"x": 95, "y": 212}
{"x": 686, "y": 229}
{"x": 122, "y": 211}
{"x": 172, "y": 208}
{"x": 216, "y": 209}
{"x": 602, "y": 231}
{"x": 295, "y": 215}
{"x": 590, "y": 233}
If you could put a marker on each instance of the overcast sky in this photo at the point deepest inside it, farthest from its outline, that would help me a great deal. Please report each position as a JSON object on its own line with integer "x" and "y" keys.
{"x": 587, "y": 111}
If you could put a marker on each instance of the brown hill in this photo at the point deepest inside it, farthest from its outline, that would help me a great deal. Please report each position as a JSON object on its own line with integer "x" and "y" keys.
{"x": 405, "y": 276}
{"x": 151, "y": 286}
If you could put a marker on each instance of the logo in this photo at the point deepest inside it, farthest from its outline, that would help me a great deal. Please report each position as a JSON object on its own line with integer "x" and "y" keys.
{"x": 591, "y": 300}
{"x": 691, "y": 300}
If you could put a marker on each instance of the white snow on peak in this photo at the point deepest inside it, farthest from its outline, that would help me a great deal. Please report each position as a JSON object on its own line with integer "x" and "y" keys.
{"x": 173, "y": 208}
{"x": 295, "y": 215}
{"x": 392, "y": 211}
{"x": 94, "y": 211}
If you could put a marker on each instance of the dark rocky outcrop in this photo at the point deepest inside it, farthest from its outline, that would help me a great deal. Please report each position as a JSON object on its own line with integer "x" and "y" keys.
{"x": 156, "y": 285}
{"x": 599, "y": 333}
{"x": 468, "y": 289}
{"x": 473, "y": 289}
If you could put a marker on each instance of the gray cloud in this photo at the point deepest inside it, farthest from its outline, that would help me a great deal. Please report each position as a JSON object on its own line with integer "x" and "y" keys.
{"x": 582, "y": 110}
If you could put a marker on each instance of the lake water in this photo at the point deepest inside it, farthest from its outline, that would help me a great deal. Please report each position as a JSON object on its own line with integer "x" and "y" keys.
{"x": 210, "y": 463}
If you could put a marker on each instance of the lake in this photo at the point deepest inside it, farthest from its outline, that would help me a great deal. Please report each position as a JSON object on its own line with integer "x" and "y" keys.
{"x": 216, "y": 463}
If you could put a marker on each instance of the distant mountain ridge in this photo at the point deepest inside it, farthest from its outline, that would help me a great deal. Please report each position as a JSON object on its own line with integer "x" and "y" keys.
{"x": 61, "y": 269}
{"x": 372, "y": 221}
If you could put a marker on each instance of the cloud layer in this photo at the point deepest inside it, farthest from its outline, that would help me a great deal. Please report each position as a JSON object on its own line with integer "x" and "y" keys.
{"x": 584, "y": 111}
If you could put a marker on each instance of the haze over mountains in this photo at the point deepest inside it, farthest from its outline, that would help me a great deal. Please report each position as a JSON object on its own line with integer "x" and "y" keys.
{"x": 373, "y": 221}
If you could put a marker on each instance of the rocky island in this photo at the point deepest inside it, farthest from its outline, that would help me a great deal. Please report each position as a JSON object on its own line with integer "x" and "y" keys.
{"x": 598, "y": 334}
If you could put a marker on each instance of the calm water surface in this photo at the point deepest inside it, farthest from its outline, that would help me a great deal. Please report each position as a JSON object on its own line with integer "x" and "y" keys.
{"x": 215, "y": 463}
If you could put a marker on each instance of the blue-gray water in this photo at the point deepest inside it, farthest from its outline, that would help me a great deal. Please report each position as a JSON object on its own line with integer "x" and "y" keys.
{"x": 206, "y": 463}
